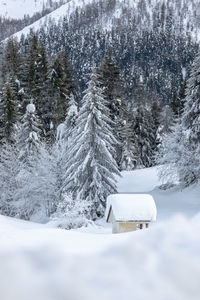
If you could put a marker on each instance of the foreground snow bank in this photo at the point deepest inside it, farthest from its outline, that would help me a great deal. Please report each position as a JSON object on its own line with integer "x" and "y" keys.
{"x": 50, "y": 264}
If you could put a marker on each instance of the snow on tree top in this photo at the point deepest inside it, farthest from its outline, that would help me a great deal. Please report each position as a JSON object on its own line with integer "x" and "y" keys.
{"x": 30, "y": 108}
{"x": 131, "y": 207}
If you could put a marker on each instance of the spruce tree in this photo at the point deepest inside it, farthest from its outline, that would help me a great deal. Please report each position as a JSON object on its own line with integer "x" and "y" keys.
{"x": 12, "y": 59}
{"x": 113, "y": 89}
{"x": 28, "y": 137}
{"x": 129, "y": 157}
{"x": 8, "y": 114}
{"x": 110, "y": 81}
{"x": 58, "y": 93}
{"x": 9, "y": 169}
{"x": 191, "y": 125}
{"x": 167, "y": 119}
{"x": 182, "y": 158}
{"x": 90, "y": 164}
{"x": 70, "y": 120}
{"x": 144, "y": 129}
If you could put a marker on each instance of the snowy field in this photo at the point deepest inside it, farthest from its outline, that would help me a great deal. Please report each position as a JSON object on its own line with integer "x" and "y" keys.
{"x": 39, "y": 262}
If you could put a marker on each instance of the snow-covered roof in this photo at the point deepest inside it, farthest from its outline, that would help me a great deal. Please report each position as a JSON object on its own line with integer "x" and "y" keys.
{"x": 131, "y": 207}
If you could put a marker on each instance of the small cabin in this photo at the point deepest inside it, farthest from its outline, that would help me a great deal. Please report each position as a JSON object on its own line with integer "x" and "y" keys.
{"x": 130, "y": 212}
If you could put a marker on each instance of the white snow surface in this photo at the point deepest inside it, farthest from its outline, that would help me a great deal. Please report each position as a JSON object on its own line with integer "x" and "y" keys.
{"x": 163, "y": 262}
{"x": 132, "y": 207}
{"x": 17, "y": 9}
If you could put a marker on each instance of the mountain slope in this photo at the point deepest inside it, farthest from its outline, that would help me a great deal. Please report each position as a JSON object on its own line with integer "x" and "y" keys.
{"x": 148, "y": 37}
{"x": 17, "y": 9}
{"x": 143, "y": 11}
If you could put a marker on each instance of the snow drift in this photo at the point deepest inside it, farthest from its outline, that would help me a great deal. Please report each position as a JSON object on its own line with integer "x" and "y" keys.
{"x": 42, "y": 263}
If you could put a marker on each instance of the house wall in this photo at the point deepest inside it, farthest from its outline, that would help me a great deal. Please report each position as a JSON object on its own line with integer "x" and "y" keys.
{"x": 127, "y": 227}
{"x": 115, "y": 227}
{"x": 118, "y": 227}
{"x": 111, "y": 217}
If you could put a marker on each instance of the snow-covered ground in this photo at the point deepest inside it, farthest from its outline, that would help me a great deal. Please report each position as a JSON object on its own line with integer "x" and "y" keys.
{"x": 39, "y": 262}
{"x": 170, "y": 202}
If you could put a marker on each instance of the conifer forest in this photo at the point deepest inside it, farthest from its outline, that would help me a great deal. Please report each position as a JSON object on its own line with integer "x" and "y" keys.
{"x": 79, "y": 106}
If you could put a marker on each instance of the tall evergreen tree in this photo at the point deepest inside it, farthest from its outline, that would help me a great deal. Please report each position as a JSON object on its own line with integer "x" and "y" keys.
{"x": 184, "y": 157}
{"x": 8, "y": 114}
{"x": 9, "y": 169}
{"x": 144, "y": 129}
{"x": 191, "y": 124}
{"x": 110, "y": 81}
{"x": 90, "y": 166}
{"x": 129, "y": 157}
{"x": 113, "y": 89}
{"x": 28, "y": 137}
{"x": 12, "y": 59}
{"x": 71, "y": 118}
{"x": 59, "y": 87}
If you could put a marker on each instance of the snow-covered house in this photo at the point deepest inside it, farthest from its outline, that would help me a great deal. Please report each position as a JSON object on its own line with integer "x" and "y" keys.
{"x": 129, "y": 212}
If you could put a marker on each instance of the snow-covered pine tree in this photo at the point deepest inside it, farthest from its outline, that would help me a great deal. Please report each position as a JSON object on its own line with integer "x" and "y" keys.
{"x": 36, "y": 180}
{"x": 9, "y": 168}
{"x": 8, "y": 114}
{"x": 71, "y": 118}
{"x": 129, "y": 147}
{"x": 58, "y": 93}
{"x": 90, "y": 164}
{"x": 167, "y": 119}
{"x": 191, "y": 125}
{"x": 180, "y": 150}
{"x": 144, "y": 129}
{"x": 169, "y": 153}
{"x": 60, "y": 147}
{"x": 12, "y": 59}
{"x": 28, "y": 137}
{"x": 113, "y": 89}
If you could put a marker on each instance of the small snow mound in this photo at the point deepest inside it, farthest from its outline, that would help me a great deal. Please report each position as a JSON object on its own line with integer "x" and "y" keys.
{"x": 30, "y": 108}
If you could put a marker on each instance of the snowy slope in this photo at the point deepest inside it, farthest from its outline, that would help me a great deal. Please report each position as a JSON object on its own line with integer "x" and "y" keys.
{"x": 190, "y": 12}
{"x": 169, "y": 202}
{"x": 16, "y": 9}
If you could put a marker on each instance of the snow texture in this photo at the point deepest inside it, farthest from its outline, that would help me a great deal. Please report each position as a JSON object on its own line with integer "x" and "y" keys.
{"x": 50, "y": 264}
{"x": 132, "y": 207}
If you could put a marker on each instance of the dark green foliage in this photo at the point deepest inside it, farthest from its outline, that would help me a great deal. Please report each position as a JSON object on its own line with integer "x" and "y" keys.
{"x": 8, "y": 114}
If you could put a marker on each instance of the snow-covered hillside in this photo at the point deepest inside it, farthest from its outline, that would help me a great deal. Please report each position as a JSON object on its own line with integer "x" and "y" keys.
{"x": 142, "y": 10}
{"x": 44, "y": 263}
{"x": 17, "y": 9}
{"x": 169, "y": 202}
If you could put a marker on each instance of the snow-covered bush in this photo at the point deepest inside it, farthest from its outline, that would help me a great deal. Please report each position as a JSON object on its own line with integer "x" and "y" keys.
{"x": 71, "y": 214}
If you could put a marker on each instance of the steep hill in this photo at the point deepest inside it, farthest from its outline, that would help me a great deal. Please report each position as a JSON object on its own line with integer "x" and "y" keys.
{"x": 183, "y": 14}
{"x": 17, "y": 9}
